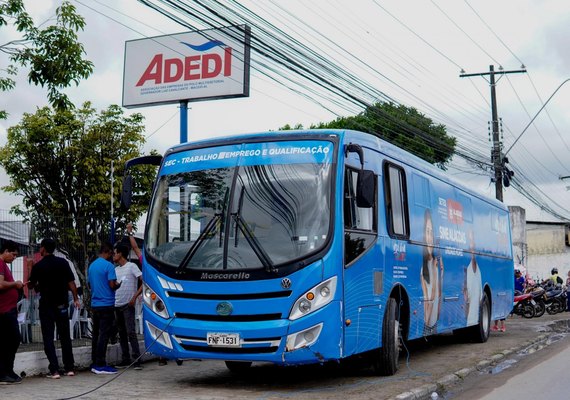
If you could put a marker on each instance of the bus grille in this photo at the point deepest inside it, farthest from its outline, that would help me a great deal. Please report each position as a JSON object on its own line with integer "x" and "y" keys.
{"x": 227, "y": 297}
{"x": 230, "y": 350}
{"x": 229, "y": 318}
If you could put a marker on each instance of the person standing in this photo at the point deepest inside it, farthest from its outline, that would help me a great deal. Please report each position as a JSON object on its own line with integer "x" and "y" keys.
{"x": 519, "y": 282}
{"x": 9, "y": 328}
{"x": 53, "y": 279}
{"x": 126, "y": 297}
{"x": 556, "y": 280}
{"x": 103, "y": 282}
{"x": 161, "y": 360}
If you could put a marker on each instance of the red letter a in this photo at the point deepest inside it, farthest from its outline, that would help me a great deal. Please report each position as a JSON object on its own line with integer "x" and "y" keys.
{"x": 156, "y": 76}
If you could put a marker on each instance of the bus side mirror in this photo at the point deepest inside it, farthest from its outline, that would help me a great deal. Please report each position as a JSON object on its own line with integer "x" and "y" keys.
{"x": 365, "y": 188}
{"x": 127, "y": 192}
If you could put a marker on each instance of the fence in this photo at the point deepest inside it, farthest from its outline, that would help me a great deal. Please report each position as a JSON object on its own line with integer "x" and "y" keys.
{"x": 75, "y": 244}
{"x": 79, "y": 323}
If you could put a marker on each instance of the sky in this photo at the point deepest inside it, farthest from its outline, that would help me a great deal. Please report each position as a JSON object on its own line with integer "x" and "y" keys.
{"x": 410, "y": 51}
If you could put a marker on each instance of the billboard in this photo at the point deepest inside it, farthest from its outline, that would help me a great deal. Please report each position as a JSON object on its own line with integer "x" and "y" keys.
{"x": 192, "y": 66}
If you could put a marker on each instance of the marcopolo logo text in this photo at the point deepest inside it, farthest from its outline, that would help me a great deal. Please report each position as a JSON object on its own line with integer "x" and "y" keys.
{"x": 225, "y": 276}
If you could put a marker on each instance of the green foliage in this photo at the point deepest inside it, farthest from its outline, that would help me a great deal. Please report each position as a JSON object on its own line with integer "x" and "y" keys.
{"x": 53, "y": 54}
{"x": 60, "y": 163}
{"x": 403, "y": 126}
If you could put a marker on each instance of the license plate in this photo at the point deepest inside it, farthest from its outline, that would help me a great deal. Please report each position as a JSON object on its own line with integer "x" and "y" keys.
{"x": 223, "y": 339}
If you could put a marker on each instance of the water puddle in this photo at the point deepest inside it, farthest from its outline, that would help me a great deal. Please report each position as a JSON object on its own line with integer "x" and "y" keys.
{"x": 503, "y": 365}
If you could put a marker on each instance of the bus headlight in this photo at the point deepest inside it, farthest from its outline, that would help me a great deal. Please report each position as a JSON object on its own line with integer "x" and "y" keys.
{"x": 154, "y": 302}
{"x": 319, "y": 296}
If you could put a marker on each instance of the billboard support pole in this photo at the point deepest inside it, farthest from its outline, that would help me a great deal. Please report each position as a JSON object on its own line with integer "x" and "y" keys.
{"x": 183, "y": 121}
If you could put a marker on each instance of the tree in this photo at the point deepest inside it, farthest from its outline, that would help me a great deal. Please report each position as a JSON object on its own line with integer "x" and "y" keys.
{"x": 59, "y": 161}
{"x": 53, "y": 53}
{"x": 403, "y": 126}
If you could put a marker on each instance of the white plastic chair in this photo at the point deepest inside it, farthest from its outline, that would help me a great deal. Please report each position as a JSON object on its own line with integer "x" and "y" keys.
{"x": 23, "y": 320}
{"x": 138, "y": 315}
{"x": 74, "y": 324}
{"x": 85, "y": 323}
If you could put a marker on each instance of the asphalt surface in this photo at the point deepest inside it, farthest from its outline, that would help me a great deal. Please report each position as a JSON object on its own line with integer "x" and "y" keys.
{"x": 426, "y": 366}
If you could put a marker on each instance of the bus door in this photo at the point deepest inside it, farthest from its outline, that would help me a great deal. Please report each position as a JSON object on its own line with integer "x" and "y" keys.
{"x": 363, "y": 270}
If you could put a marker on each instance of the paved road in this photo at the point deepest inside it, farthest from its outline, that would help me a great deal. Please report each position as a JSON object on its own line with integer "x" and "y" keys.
{"x": 427, "y": 362}
{"x": 518, "y": 377}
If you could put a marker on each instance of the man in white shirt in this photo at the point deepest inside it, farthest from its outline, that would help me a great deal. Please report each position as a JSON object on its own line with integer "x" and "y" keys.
{"x": 130, "y": 276}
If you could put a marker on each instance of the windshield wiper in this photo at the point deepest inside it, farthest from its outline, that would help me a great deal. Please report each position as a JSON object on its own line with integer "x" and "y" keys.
{"x": 201, "y": 239}
{"x": 250, "y": 237}
{"x": 254, "y": 243}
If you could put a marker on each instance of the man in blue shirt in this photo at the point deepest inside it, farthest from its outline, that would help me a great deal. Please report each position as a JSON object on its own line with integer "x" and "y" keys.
{"x": 519, "y": 281}
{"x": 103, "y": 282}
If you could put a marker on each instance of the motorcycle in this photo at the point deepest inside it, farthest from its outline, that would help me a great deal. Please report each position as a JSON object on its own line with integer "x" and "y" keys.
{"x": 555, "y": 300}
{"x": 524, "y": 305}
{"x": 539, "y": 296}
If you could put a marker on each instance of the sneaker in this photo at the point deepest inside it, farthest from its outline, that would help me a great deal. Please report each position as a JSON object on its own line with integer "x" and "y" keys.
{"x": 106, "y": 370}
{"x": 123, "y": 364}
{"x": 69, "y": 373}
{"x": 16, "y": 377}
{"x": 137, "y": 366}
{"x": 503, "y": 329}
{"x": 110, "y": 370}
{"x": 9, "y": 380}
{"x": 495, "y": 328}
{"x": 162, "y": 361}
{"x": 53, "y": 375}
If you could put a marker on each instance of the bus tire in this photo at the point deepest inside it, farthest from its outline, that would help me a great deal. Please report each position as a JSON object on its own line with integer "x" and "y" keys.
{"x": 480, "y": 333}
{"x": 238, "y": 366}
{"x": 386, "y": 357}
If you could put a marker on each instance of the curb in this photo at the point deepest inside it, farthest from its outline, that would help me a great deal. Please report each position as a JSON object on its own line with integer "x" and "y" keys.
{"x": 441, "y": 385}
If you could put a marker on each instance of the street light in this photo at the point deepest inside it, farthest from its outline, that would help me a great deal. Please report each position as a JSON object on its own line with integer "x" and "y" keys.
{"x": 533, "y": 118}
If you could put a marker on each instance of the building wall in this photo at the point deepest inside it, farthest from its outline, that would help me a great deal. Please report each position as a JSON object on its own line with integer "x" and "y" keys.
{"x": 547, "y": 248}
{"x": 518, "y": 234}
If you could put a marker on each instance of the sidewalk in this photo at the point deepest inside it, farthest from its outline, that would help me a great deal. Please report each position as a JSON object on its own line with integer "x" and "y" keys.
{"x": 33, "y": 363}
{"x": 431, "y": 365}
{"x": 523, "y": 336}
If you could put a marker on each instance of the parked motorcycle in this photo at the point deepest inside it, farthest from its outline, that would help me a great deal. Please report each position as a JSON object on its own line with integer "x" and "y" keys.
{"x": 539, "y": 296}
{"x": 524, "y": 305}
{"x": 555, "y": 299}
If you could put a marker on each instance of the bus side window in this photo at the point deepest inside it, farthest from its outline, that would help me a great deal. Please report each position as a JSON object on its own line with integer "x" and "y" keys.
{"x": 360, "y": 225}
{"x": 396, "y": 205}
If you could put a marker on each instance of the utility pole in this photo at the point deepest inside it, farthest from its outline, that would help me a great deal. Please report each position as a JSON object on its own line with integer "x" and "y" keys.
{"x": 496, "y": 156}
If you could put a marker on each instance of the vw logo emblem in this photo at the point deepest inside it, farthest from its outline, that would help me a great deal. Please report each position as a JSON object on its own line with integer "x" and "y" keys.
{"x": 224, "y": 308}
{"x": 285, "y": 283}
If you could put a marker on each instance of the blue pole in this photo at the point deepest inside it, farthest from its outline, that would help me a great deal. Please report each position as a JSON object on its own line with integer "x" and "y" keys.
{"x": 183, "y": 121}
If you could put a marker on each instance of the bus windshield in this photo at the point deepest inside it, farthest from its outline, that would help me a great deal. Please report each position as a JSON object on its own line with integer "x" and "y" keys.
{"x": 241, "y": 217}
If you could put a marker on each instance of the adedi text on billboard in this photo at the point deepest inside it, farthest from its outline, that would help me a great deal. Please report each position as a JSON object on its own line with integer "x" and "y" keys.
{"x": 190, "y": 66}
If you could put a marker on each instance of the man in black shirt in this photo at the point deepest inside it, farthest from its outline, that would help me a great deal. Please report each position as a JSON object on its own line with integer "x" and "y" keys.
{"x": 52, "y": 278}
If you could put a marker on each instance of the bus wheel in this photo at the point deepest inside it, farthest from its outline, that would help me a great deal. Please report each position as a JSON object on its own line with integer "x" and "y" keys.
{"x": 480, "y": 333}
{"x": 238, "y": 366}
{"x": 386, "y": 357}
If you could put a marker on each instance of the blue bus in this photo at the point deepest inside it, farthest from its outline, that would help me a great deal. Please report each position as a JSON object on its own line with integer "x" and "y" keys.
{"x": 310, "y": 246}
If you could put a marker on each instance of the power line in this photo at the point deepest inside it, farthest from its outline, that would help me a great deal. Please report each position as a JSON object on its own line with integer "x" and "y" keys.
{"x": 493, "y": 32}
